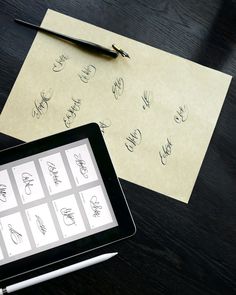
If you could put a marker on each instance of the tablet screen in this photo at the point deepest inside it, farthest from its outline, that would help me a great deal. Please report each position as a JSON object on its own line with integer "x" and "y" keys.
{"x": 51, "y": 198}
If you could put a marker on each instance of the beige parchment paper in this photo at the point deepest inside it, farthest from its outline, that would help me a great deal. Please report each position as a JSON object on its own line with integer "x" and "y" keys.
{"x": 157, "y": 111}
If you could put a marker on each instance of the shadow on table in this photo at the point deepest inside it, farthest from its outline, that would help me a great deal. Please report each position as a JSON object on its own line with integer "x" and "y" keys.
{"x": 223, "y": 34}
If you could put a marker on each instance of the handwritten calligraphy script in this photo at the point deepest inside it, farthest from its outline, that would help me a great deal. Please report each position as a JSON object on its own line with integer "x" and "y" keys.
{"x": 134, "y": 139}
{"x": 147, "y": 98}
{"x": 104, "y": 124}
{"x": 28, "y": 180}
{"x": 118, "y": 87}
{"x": 68, "y": 216}
{"x": 82, "y": 165}
{"x": 72, "y": 112}
{"x": 87, "y": 73}
{"x": 165, "y": 151}
{"x": 3, "y": 193}
{"x": 182, "y": 114}
{"x": 59, "y": 63}
{"x": 53, "y": 172}
{"x": 40, "y": 224}
{"x": 16, "y": 237}
{"x": 41, "y": 105}
{"x": 95, "y": 206}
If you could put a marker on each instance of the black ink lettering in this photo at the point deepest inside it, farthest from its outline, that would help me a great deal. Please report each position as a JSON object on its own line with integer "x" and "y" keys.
{"x": 15, "y": 236}
{"x": 95, "y": 206}
{"x": 3, "y": 193}
{"x": 182, "y": 114}
{"x": 146, "y": 98}
{"x": 53, "y": 172}
{"x": 82, "y": 165}
{"x": 41, "y": 106}
{"x": 68, "y": 216}
{"x": 72, "y": 112}
{"x": 165, "y": 152}
{"x": 28, "y": 182}
{"x": 87, "y": 73}
{"x": 40, "y": 224}
{"x": 104, "y": 124}
{"x": 134, "y": 139}
{"x": 118, "y": 87}
{"x": 59, "y": 64}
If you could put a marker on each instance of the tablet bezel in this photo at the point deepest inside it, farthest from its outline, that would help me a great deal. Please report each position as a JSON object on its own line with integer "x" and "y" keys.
{"x": 126, "y": 226}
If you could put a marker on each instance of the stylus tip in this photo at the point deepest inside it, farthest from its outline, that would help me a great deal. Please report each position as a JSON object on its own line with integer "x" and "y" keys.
{"x": 114, "y": 254}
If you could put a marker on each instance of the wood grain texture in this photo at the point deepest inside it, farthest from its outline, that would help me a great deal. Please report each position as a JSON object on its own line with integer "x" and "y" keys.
{"x": 178, "y": 249}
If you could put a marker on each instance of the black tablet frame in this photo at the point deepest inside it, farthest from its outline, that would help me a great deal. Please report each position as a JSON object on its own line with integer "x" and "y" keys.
{"x": 126, "y": 226}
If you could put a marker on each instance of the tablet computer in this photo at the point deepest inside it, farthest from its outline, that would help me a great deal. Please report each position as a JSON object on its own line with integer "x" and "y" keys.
{"x": 59, "y": 197}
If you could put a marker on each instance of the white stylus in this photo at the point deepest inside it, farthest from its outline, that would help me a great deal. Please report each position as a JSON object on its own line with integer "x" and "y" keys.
{"x": 56, "y": 273}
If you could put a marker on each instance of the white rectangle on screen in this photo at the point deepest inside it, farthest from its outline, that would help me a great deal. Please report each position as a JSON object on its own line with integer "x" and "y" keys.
{"x": 69, "y": 216}
{"x": 96, "y": 207}
{"x": 28, "y": 182}
{"x": 14, "y": 234}
{"x": 7, "y": 196}
{"x": 41, "y": 224}
{"x": 81, "y": 165}
{"x": 55, "y": 174}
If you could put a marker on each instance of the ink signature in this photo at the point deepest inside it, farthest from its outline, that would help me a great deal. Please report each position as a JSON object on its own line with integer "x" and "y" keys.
{"x": 3, "y": 193}
{"x": 82, "y": 165}
{"x": 28, "y": 182}
{"x": 118, "y": 87}
{"x": 68, "y": 216}
{"x": 40, "y": 224}
{"x": 53, "y": 172}
{"x": 87, "y": 73}
{"x": 60, "y": 62}
{"x": 94, "y": 204}
{"x": 15, "y": 236}
{"x": 147, "y": 98}
{"x": 165, "y": 152}
{"x": 182, "y": 114}
{"x": 104, "y": 124}
{"x": 134, "y": 139}
{"x": 41, "y": 105}
{"x": 72, "y": 112}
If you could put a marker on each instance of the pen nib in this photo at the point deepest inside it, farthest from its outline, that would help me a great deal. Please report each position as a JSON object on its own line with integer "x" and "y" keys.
{"x": 121, "y": 51}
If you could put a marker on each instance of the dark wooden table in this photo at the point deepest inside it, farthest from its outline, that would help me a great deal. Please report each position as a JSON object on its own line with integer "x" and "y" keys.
{"x": 178, "y": 248}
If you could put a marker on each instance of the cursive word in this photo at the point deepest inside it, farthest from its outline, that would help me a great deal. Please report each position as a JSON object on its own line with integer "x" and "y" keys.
{"x": 53, "y": 172}
{"x": 72, "y": 112}
{"x": 82, "y": 165}
{"x": 104, "y": 124}
{"x": 60, "y": 63}
{"x": 41, "y": 105}
{"x": 3, "y": 193}
{"x": 40, "y": 224}
{"x": 182, "y": 114}
{"x": 165, "y": 152}
{"x": 28, "y": 182}
{"x": 134, "y": 139}
{"x": 87, "y": 73}
{"x": 94, "y": 204}
{"x": 15, "y": 236}
{"x": 146, "y": 98}
{"x": 118, "y": 87}
{"x": 68, "y": 216}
